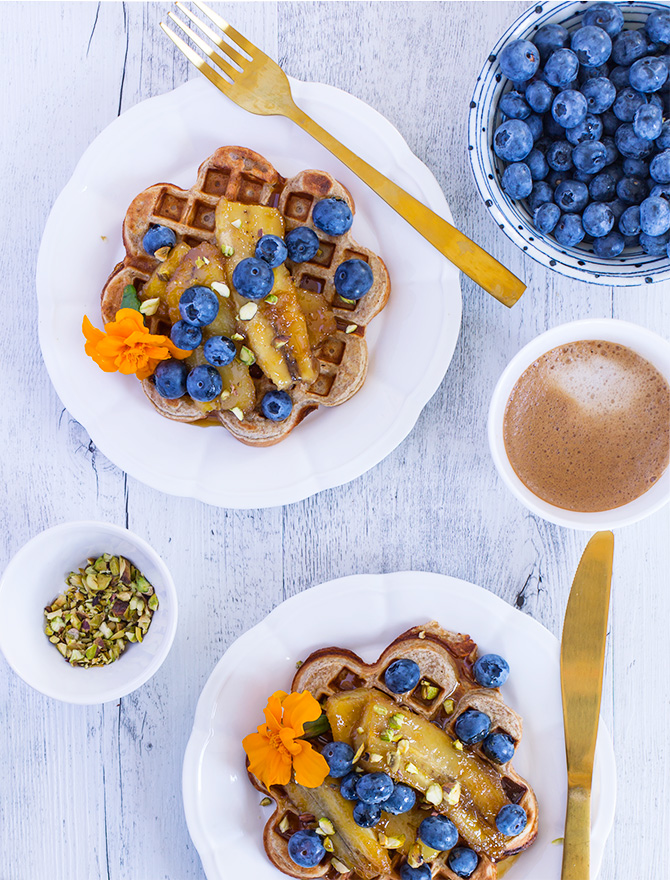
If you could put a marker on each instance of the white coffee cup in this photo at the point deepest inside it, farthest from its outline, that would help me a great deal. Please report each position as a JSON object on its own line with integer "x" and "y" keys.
{"x": 648, "y": 345}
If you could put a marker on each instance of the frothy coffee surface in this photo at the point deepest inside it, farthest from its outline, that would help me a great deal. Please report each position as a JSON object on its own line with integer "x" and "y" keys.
{"x": 587, "y": 426}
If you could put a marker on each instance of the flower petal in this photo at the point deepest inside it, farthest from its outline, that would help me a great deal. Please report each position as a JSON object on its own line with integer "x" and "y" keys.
{"x": 273, "y": 710}
{"x": 310, "y": 767}
{"x": 299, "y": 708}
{"x": 287, "y": 737}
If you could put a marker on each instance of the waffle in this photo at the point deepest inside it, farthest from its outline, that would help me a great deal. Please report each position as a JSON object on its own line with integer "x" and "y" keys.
{"x": 240, "y": 175}
{"x": 445, "y": 660}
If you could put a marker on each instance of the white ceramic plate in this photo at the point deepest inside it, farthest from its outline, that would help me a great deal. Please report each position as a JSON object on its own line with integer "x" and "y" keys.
{"x": 165, "y": 139}
{"x": 365, "y": 613}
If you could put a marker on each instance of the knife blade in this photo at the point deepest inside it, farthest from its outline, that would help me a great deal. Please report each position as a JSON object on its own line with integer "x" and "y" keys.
{"x": 582, "y": 660}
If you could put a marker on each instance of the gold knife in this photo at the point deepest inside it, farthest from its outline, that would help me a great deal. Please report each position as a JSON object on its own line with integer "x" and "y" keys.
{"x": 582, "y": 659}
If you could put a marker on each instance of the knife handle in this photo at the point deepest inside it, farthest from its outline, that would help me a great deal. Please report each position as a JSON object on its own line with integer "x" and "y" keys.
{"x": 577, "y": 843}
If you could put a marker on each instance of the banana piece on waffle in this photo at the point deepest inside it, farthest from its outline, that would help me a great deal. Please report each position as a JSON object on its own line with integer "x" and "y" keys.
{"x": 338, "y": 351}
{"x": 357, "y": 702}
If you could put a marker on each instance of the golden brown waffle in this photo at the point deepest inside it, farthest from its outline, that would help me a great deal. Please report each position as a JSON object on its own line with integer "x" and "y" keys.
{"x": 240, "y": 175}
{"x": 446, "y": 661}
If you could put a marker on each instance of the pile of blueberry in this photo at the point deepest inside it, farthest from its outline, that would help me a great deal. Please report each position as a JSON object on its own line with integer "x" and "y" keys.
{"x": 253, "y": 278}
{"x": 585, "y": 136}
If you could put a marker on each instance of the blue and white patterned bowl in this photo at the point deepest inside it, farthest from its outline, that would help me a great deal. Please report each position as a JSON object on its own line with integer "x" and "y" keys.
{"x": 633, "y": 267}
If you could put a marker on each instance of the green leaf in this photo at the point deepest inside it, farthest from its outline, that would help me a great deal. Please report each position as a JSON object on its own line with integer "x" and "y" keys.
{"x": 316, "y": 728}
{"x": 130, "y": 298}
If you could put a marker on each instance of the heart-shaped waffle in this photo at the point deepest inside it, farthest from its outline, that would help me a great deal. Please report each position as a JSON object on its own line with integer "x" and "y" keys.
{"x": 241, "y": 175}
{"x": 446, "y": 689}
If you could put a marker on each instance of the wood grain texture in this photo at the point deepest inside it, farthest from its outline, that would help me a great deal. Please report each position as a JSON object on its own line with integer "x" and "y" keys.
{"x": 88, "y": 793}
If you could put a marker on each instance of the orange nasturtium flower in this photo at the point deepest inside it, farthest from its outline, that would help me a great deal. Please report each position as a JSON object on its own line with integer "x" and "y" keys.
{"x": 127, "y": 346}
{"x": 277, "y": 748}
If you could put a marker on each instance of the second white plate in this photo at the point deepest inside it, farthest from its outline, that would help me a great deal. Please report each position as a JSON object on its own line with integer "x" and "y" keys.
{"x": 411, "y": 343}
{"x": 365, "y": 613}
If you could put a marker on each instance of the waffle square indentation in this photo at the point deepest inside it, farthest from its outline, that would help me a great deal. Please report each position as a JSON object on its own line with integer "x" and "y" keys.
{"x": 417, "y": 693}
{"x": 512, "y": 789}
{"x": 193, "y": 240}
{"x": 355, "y": 255}
{"x": 332, "y": 350}
{"x": 171, "y": 207}
{"x": 298, "y": 206}
{"x": 346, "y": 679}
{"x": 249, "y": 190}
{"x": 311, "y": 282}
{"x": 203, "y": 216}
{"x": 324, "y": 256}
{"x": 216, "y": 181}
{"x": 346, "y": 306}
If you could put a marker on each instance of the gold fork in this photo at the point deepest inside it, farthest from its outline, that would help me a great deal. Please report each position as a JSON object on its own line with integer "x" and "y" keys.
{"x": 257, "y": 84}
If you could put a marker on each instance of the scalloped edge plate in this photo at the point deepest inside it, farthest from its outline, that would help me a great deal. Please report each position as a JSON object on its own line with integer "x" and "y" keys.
{"x": 365, "y": 613}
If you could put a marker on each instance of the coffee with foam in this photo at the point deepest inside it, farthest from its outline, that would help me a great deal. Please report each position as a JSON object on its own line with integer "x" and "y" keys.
{"x": 587, "y": 426}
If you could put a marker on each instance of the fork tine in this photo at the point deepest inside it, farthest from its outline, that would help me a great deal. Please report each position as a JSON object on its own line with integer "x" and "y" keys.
{"x": 230, "y": 31}
{"x": 204, "y": 68}
{"x": 230, "y": 53}
{"x": 220, "y": 62}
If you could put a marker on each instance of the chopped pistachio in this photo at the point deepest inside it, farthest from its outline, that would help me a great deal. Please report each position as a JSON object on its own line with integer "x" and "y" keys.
{"x": 224, "y": 395}
{"x": 378, "y": 710}
{"x": 358, "y": 754}
{"x": 298, "y": 663}
{"x": 348, "y": 301}
{"x": 375, "y": 758}
{"x": 360, "y": 730}
{"x": 247, "y": 311}
{"x": 396, "y": 720}
{"x": 284, "y": 824}
{"x": 247, "y": 356}
{"x": 454, "y": 794}
{"x": 221, "y": 288}
{"x": 237, "y": 337}
{"x": 351, "y": 327}
{"x": 328, "y": 844}
{"x": 279, "y": 341}
{"x": 428, "y": 690}
{"x": 339, "y": 866}
{"x": 271, "y": 298}
{"x": 458, "y": 745}
{"x": 411, "y": 768}
{"x": 415, "y": 856}
{"x": 403, "y": 746}
{"x": 448, "y": 706}
{"x": 227, "y": 251}
{"x": 434, "y": 794}
{"x": 326, "y": 825}
{"x": 236, "y": 223}
{"x": 557, "y": 840}
{"x": 162, "y": 253}
{"x": 199, "y": 262}
{"x": 150, "y": 306}
{"x": 391, "y": 842}
{"x": 237, "y": 412}
{"x": 422, "y": 634}
{"x": 266, "y": 802}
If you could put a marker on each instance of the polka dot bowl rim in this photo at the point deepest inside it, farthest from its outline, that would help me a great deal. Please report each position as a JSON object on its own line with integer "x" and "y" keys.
{"x": 633, "y": 267}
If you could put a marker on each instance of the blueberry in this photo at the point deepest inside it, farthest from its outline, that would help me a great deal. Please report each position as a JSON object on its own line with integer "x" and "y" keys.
{"x": 420, "y": 873}
{"x": 472, "y": 726}
{"x": 491, "y": 670}
{"x": 603, "y": 187}
{"x": 537, "y": 164}
{"x": 610, "y": 147}
{"x": 592, "y": 45}
{"x": 546, "y": 217}
{"x": 662, "y": 190}
{"x": 629, "y": 222}
{"x": 583, "y": 176}
{"x": 253, "y": 278}
{"x": 306, "y": 849}
{"x": 339, "y": 755}
{"x": 272, "y": 249}
{"x": 204, "y": 383}
{"x": 648, "y": 122}
{"x": 514, "y": 106}
{"x": 627, "y": 103}
{"x": 658, "y": 26}
{"x": 519, "y": 60}
{"x": 302, "y": 244}
{"x": 589, "y": 129}
{"x": 609, "y": 246}
{"x": 402, "y": 676}
{"x": 158, "y": 237}
{"x": 462, "y": 861}
{"x": 219, "y": 351}
{"x": 554, "y": 178}
{"x": 550, "y": 37}
{"x": 333, "y": 216}
{"x": 599, "y": 94}
{"x": 631, "y": 190}
{"x": 186, "y": 336}
{"x": 517, "y": 180}
{"x": 536, "y": 126}
{"x": 571, "y": 196}
{"x": 552, "y": 128}
{"x": 589, "y": 157}
{"x": 597, "y": 219}
{"x": 499, "y": 747}
{"x": 630, "y": 145}
{"x": 635, "y": 168}
{"x": 654, "y": 216}
{"x": 277, "y": 406}
{"x": 628, "y": 46}
{"x": 610, "y": 122}
{"x": 511, "y": 820}
{"x": 348, "y": 786}
{"x": 617, "y": 207}
{"x": 654, "y": 245}
{"x": 559, "y": 156}
{"x": 607, "y": 16}
{"x": 587, "y": 73}
{"x": 659, "y": 169}
{"x": 198, "y": 306}
{"x": 353, "y": 279}
{"x": 438, "y": 833}
{"x": 648, "y": 74}
{"x": 561, "y": 68}
{"x": 541, "y": 193}
{"x": 170, "y": 379}
{"x": 513, "y": 140}
{"x": 569, "y": 230}
{"x": 663, "y": 140}
{"x": 374, "y": 788}
{"x": 569, "y": 108}
{"x": 401, "y": 800}
{"x": 539, "y": 96}
{"x": 367, "y": 815}
{"x": 620, "y": 77}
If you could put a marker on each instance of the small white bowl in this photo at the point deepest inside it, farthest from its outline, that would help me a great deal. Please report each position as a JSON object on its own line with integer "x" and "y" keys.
{"x": 33, "y": 579}
{"x": 650, "y": 346}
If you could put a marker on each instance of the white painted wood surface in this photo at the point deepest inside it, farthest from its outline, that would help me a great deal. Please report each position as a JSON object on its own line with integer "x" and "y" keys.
{"x": 88, "y": 793}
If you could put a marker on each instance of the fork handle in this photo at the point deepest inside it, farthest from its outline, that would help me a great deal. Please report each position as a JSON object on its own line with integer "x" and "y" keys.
{"x": 449, "y": 241}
